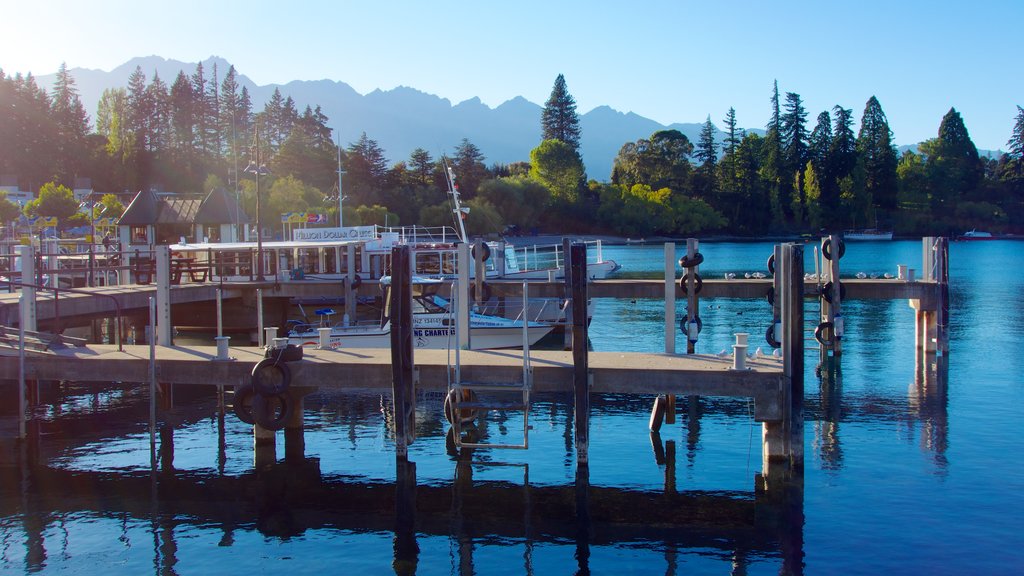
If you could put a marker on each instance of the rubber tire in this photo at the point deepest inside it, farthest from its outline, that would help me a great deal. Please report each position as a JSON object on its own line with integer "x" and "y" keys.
{"x": 770, "y": 296}
{"x": 486, "y": 252}
{"x": 264, "y": 414}
{"x": 771, "y": 264}
{"x": 244, "y": 395}
{"x": 769, "y": 336}
{"x": 685, "y": 261}
{"x": 356, "y": 282}
{"x": 262, "y": 386}
{"x": 467, "y": 416}
{"x": 826, "y": 291}
{"x": 683, "y": 322}
{"x": 820, "y": 330}
{"x": 696, "y": 278}
{"x": 826, "y": 249}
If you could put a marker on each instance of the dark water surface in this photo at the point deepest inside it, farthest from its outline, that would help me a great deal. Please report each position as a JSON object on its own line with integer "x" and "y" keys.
{"x": 909, "y": 469}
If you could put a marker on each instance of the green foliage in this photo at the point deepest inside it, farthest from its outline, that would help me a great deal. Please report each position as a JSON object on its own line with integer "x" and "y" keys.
{"x": 558, "y": 166}
{"x": 661, "y": 161}
{"x": 483, "y": 218}
{"x": 53, "y": 201}
{"x": 518, "y": 200}
{"x": 376, "y": 214}
{"x": 1016, "y": 141}
{"x": 9, "y": 211}
{"x": 289, "y": 194}
{"x": 109, "y": 207}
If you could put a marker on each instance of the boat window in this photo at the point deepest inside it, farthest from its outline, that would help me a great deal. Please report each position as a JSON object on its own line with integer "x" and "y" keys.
{"x": 428, "y": 263}
{"x": 425, "y": 305}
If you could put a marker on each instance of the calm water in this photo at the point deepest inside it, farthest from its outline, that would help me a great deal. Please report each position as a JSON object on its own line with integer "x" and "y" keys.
{"x": 907, "y": 470}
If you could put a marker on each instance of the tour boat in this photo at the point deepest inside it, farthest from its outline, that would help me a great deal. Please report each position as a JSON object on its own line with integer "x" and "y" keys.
{"x": 976, "y": 235}
{"x": 867, "y": 235}
{"x": 433, "y": 323}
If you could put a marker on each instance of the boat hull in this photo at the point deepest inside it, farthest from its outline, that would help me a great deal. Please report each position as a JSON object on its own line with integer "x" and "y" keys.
{"x": 427, "y": 337}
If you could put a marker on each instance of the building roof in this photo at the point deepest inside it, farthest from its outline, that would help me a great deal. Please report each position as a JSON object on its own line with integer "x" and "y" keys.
{"x": 220, "y": 208}
{"x": 149, "y": 207}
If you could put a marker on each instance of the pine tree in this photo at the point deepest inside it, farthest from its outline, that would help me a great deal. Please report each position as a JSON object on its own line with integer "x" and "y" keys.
{"x": 772, "y": 167}
{"x": 1016, "y": 141}
{"x": 160, "y": 99}
{"x": 732, "y": 141}
{"x": 877, "y": 157}
{"x": 794, "y": 141}
{"x": 707, "y": 154}
{"x": 72, "y": 124}
{"x": 559, "y": 120}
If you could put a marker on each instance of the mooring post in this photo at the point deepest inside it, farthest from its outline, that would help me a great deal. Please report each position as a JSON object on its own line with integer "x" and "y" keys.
{"x": 27, "y": 257}
{"x": 670, "y": 298}
{"x": 294, "y": 429}
{"x": 462, "y": 305}
{"x": 259, "y": 318}
{"x": 926, "y": 315}
{"x": 581, "y": 369}
{"x": 793, "y": 352}
{"x": 406, "y": 550}
{"x": 692, "y": 304}
{"x": 669, "y": 410}
{"x": 479, "y": 273}
{"x": 402, "y": 384}
{"x": 350, "y": 277}
{"x": 163, "y": 295}
{"x": 942, "y": 277}
{"x": 567, "y": 282}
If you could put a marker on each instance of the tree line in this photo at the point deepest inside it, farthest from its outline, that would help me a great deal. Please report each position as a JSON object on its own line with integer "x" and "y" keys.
{"x": 199, "y": 132}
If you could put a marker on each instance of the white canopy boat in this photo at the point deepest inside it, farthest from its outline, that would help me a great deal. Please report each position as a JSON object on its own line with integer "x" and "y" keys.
{"x": 434, "y": 326}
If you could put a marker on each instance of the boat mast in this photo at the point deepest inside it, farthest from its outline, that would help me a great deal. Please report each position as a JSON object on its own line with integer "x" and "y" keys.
{"x": 459, "y": 211}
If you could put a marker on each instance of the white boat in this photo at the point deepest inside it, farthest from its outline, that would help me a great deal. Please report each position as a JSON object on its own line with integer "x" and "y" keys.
{"x": 433, "y": 327}
{"x": 867, "y": 235}
{"x": 976, "y": 235}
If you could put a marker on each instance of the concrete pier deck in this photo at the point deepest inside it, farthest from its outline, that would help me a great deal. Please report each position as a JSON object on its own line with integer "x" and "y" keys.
{"x": 611, "y": 372}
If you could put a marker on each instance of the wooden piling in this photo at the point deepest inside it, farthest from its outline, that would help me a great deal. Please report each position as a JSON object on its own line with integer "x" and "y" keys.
{"x": 406, "y": 549}
{"x": 942, "y": 312}
{"x": 163, "y": 296}
{"x": 793, "y": 351}
{"x": 782, "y": 441}
{"x": 692, "y": 300}
{"x": 669, "y": 402}
{"x": 402, "y": 383}
{"x": 581, "y": 371}
{"x": 350, "y": 277}
{"x": 567, "y": 294}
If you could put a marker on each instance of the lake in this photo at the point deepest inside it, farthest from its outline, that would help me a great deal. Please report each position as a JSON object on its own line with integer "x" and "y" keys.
{"x": 908, "y": 468}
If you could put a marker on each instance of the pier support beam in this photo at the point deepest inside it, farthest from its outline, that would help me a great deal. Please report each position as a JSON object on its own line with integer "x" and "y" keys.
{"x": 581, "y": 370}
{"x": 27, "y": 258}
{"x": 784, "y": 441}
{"x": 350, "y": 277}
{"x": 402, "y": 384}
{"x": 163, "y": 295}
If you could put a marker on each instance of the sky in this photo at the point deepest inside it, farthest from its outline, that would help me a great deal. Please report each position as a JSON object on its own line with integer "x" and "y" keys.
{"x": 670, "y": 61}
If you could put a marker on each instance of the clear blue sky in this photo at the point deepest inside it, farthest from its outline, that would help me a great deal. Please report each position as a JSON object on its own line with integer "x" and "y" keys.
{"x": 671, "y": 61}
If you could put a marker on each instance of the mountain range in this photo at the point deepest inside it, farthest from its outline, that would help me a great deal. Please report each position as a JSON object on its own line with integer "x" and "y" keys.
{"x": 403, "y": 119}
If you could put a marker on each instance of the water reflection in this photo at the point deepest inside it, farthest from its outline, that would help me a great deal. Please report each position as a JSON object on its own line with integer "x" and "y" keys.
{"x": 168, "y": 520}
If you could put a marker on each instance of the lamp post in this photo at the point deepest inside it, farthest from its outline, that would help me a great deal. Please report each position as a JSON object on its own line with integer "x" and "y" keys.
{"x": 341, "y": 196}
{"x": 257, "y": 168}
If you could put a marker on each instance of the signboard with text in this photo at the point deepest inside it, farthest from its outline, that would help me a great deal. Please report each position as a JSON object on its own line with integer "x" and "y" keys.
{"x": 324, "y": 234}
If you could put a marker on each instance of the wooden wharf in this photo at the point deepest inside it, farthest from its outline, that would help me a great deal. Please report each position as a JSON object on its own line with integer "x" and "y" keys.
{"x": 775, "y": 385}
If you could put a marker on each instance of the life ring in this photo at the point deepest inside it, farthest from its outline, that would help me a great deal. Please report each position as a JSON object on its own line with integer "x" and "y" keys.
{"x": 684, "y": 321}
{"x": 356, "y": 282}
{"x": 696, "y": 278}
{"x": 271, "y": 412}
{"x": 485, "y": 251}
{"x": 485, "y": 292}
{"x": 243, "y": 403}
{"x": 770, "y": 296}
{"x": 270, "y": 376}
{"x": 819, "y": 333}
{"x": 686, "y": 262}
{"x": 771, "y": 264}
{"x": 466, "y": 415}
{"x": 826, "y": 291}
{"x": 769, "y": 336}
{"x": 826, "y": 249}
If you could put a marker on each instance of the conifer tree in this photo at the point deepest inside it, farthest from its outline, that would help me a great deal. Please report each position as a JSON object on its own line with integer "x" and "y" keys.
{"x": 559, "y": 120}
{"x": 72, "y": 124}
{"x": 877, "y": 157}
{"x": 1016, "y": 141}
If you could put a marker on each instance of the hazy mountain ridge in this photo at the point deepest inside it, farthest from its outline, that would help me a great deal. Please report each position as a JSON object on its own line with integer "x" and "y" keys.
{"x": 404, "y": 118}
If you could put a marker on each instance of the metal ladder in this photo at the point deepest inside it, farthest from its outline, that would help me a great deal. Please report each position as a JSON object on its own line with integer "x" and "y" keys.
{"x": 467, "y": 401}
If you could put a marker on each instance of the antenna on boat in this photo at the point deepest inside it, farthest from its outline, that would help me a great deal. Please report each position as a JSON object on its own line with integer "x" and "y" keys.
{"x": 453, "y": 190}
